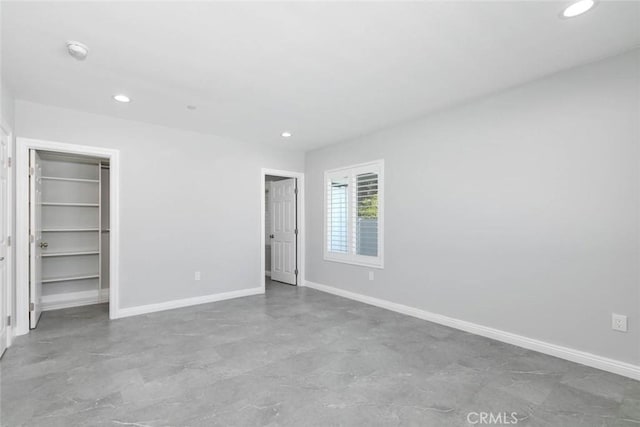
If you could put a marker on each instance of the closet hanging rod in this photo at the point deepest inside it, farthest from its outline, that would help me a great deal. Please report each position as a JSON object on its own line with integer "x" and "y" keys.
{"x": 80, "y": 205}
{"x": 52, "y": 230}
{"x": 66, "y": 254}
{"x": 60, "y": 178}
{"x": 70, "y": 278}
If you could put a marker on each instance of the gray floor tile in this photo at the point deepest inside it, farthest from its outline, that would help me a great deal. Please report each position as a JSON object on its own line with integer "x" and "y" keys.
{"x": 293, "y": 357}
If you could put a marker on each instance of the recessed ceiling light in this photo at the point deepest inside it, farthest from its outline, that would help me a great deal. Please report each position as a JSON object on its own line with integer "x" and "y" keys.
{"x": 578, "y": 8}
{"x": 286, "y": 134}
{"x": 122, "y": 98}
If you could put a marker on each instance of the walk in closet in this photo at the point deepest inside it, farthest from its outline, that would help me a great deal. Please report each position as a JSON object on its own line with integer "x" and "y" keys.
{"x": 74, "y": 236}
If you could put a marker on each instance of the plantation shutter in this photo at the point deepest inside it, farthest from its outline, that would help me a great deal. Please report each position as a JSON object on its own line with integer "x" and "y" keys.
{"x": 354, "y": 214}
{"x": 364, "y": 214}
{"x": 337, "y": 217}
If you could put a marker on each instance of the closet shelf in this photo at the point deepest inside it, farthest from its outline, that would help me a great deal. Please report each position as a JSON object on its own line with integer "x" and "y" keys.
{"x": 82, "y": 205}
{"x": 59, "y": 254}
{"x": 55, "y": 230}
{"x": 70, "y": 278}
{"x": 56, "y": 178}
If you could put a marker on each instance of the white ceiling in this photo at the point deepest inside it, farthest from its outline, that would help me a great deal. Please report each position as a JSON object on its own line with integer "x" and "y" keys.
{"x": 326, "y": 71}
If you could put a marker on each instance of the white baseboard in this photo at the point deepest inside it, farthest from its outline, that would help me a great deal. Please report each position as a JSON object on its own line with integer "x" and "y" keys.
{"x": 267, "y": 273}
{"x": 573, "y": 355}
{"x": 74, "y": 299}
{"x": 186, "y": 302}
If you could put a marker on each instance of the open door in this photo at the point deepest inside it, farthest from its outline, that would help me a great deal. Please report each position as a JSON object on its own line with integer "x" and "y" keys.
{"x": 4, "y": 232}
{"x": 284, "y": 231}
{"x": 35, "y": 231}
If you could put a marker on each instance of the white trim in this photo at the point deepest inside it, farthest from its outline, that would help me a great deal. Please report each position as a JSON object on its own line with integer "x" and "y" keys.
{"x": 187, "y": 302}
{"x": 74, "y": 299}
{"x": 267, "y": 272}
{"x": 11, "y": 253}
{"x": 301, "y": 222}
{"x": 376, "y": 166}
{"x": 9, "y": 257}
{"x": 23, "y": 145}
{"x": 573, "y": 355}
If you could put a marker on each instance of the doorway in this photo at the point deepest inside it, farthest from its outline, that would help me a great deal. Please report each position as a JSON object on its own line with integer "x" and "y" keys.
{"x": 67, "y": 228}
{"x": 69, "y": 231}
{"x": 282, "y": 217}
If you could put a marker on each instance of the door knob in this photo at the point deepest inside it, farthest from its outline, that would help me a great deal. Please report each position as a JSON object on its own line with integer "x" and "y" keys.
{"x": 1, "y": 258}
{"x": 271, "y": 236}
{"x": 44, "y": 245}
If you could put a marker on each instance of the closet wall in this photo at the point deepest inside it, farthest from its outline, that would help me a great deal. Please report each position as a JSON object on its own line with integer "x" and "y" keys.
{"x": 72, "y": 220}
{"x": 104, "y": 230}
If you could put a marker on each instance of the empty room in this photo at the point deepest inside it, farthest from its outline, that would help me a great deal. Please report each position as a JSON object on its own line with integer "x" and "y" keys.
{"x": 320, "y": 213}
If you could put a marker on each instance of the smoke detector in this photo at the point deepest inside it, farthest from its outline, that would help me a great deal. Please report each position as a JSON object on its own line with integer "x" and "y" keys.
{"x": 78, "y": 50}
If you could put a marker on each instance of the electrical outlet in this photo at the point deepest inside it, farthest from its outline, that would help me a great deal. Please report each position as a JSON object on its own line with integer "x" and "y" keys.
{"x": 371, "y": 275}
{"x": 619, "y": 322}
{"x": 197, "y": 275}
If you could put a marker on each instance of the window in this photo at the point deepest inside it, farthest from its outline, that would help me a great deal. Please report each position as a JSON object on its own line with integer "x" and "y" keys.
{"x": 354, "y": 214}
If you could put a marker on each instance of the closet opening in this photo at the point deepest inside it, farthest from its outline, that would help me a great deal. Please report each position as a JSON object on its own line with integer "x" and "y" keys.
{"x": 68, "y": 232}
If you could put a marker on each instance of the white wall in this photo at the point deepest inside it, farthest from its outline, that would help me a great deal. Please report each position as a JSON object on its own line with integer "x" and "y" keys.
{"x": 180, "y": 211}
{"x": 519, "y": 211}
{"x": 6, "y": 106}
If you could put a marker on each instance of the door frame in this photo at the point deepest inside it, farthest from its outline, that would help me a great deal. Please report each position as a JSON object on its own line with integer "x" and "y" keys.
{"x": 23, "y": 145}
{"x": 6, "y": 130}
{"x": 300, "y": 244}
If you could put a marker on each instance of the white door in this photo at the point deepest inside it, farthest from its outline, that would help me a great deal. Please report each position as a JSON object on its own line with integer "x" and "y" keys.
{"x": 283, "y": 231}
{"x": 4, "y": 232}
{"x": 35, "y": 231}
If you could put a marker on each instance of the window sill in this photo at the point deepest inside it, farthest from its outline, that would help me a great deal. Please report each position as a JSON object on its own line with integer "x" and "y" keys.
{"x": 379, "y": 264}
